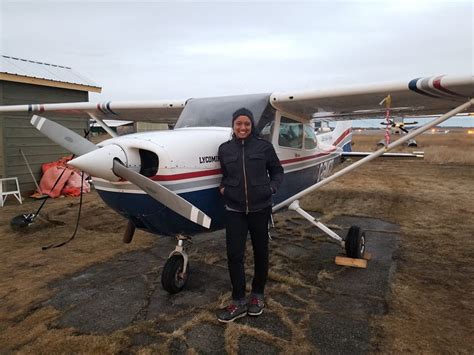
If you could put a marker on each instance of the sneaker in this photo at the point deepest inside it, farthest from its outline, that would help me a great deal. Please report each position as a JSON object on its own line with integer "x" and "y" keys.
{"x": 255, "y": 306}
{"x": 232, "y": 312}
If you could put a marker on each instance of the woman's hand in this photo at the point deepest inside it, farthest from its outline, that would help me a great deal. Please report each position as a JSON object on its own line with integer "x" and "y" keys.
{"x": 221, "y": 190}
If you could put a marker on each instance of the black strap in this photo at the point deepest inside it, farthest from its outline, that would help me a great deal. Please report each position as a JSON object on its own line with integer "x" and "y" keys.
{"x": 51, "y": 246}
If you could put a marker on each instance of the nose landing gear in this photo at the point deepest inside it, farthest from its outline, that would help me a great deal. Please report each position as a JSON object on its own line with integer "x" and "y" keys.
{"x": 176, "y": 270}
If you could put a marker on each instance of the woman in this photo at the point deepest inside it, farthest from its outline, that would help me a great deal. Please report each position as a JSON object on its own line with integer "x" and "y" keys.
{"x": 251, "y": 173}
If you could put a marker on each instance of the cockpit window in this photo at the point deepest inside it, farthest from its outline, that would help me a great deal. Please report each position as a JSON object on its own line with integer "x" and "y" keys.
{"x": 291, "y": 133}
{"x": 310, "y": 141}
{"x": 266, "y": 132}
{"x": 217, "y": 111}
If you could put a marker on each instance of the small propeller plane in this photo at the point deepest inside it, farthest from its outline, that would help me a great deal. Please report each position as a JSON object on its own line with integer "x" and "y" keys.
{"x": 399, "y": 126}
{"x": 165, "y": 182}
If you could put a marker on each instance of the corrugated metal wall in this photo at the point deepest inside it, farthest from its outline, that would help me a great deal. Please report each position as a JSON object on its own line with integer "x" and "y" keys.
{"x": 19, "y": 134}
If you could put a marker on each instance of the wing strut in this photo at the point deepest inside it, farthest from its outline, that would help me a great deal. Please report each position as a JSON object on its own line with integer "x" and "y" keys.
{"x": 376, "y": 154}
{"x": 101, "y": 123}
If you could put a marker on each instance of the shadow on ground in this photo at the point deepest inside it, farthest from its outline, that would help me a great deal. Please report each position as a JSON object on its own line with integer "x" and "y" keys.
{"x": 312, "y": 304}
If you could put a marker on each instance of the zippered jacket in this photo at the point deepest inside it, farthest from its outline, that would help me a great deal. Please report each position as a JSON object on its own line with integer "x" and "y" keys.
{"x": 251, "y": 173}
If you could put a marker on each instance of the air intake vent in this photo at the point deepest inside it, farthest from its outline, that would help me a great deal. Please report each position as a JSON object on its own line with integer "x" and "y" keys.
{"x": 149, "y": 163}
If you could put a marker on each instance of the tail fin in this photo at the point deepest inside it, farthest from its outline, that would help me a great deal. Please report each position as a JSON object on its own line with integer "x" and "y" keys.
{"x": 342, "y": 135}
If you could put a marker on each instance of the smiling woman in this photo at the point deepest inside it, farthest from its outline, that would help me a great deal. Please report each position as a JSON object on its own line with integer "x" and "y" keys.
{"x": 251, "y": 173}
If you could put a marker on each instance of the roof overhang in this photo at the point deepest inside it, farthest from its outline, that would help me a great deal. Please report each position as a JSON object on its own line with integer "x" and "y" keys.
{"x": 46, "y": 82}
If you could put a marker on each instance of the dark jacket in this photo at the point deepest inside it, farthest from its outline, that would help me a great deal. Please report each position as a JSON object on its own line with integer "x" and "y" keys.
{"x": 251, "y": 173}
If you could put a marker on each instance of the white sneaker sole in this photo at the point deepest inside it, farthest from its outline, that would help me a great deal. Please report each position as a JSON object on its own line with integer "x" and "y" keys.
{"x": 231, "y": 320}
{"x": 255, "y": 314}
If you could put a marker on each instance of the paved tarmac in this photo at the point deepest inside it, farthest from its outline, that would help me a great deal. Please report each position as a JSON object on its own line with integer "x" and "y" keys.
{"x": 312, "y": 304}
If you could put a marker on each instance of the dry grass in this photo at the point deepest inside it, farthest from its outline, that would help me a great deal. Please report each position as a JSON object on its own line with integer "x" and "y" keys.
{"x": 430, "y": 310}
{"x": 455, "y": 147}
{"x": 26, "y": 270}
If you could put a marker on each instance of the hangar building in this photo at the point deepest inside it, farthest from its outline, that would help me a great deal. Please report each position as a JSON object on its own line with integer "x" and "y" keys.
{"x": 22, "y": 82}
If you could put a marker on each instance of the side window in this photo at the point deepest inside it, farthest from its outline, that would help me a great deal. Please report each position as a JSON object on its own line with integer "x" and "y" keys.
{"x": 266, "y": 132}
{"x": 310, "y": 141}
{"x": 291, "y": 133}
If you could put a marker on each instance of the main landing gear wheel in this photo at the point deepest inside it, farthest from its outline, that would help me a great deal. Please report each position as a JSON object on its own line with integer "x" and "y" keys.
{"x": 355, "y": 243}
{"x": 173, "y": 279}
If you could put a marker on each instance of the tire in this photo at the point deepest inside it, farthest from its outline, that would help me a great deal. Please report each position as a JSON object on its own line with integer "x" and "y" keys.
{"x": 355, "y": 242}
{"x": 171, "y": 280}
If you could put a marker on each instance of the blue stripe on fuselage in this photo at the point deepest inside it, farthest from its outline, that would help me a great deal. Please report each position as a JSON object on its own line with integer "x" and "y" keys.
{"x": 150, "y": 215}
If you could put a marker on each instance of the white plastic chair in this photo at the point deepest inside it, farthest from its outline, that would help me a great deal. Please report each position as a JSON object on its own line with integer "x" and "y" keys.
{"x": 4, "y": 192}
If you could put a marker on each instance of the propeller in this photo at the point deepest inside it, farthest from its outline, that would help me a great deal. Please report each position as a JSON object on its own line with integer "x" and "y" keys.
{"x": 62, "y": 136}
{"x": 106, "y": 163}
{"x": 400, "y": 125}
{"x": 160, "y": 193}
{"x": 396, "y": 125}
{"x": 403, "y": 128}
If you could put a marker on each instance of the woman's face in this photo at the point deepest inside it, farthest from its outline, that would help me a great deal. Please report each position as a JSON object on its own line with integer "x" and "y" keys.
{"x": 242, "y": 127}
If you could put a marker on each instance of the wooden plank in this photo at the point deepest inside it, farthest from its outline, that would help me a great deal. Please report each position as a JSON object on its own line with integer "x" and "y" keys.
{"x": 344, "y": 261}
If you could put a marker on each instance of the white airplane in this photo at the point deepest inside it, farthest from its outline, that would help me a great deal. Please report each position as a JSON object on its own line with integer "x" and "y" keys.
{"x": 165, "y": 182}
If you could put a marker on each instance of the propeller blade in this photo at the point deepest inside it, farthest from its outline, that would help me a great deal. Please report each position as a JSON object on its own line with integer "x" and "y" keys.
{"x": 63, "y": 136}
{"x": 391, "y": 122}
{"x": 163, "y": 195}
{"x": 404, "y": 129}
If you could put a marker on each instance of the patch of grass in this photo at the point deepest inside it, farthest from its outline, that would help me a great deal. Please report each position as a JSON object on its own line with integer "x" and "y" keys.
{"x": 430, "y": 309}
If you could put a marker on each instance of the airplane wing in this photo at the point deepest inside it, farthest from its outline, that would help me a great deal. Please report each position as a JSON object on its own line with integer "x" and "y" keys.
{"x": 462, "y": 106}
{"x": 431, "y": 95}
{"x": 144, "y": 111}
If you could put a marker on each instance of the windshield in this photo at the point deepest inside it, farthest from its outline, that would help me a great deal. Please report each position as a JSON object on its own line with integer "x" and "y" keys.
{"x": 217, "y": 111}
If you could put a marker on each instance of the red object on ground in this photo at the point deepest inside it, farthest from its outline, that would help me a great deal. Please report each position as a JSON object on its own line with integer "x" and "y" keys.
{"x": 69, "y": 184}
{"x": 73, "y": 185}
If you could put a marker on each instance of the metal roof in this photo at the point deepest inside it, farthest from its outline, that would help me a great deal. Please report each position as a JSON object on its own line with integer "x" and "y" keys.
{"x": 45, "y": 71}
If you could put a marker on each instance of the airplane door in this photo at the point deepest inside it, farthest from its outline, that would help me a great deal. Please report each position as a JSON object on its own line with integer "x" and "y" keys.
{"x": 296, "y": 146}
{"x": 288, "y": 135}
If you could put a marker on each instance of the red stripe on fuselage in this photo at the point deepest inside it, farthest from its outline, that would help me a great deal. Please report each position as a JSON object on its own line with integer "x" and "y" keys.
{"x": 288, "y": 161}
{"x": 184, "y": 176}
{"x": 203, "y": 173}
{"x": 342, "y": 136}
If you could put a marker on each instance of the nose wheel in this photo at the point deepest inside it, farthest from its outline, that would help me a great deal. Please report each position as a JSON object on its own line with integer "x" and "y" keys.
{"x": 176, "y": 270}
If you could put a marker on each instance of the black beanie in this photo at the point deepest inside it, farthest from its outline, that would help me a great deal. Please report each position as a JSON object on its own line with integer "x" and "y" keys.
{"x": 243, "y": 112}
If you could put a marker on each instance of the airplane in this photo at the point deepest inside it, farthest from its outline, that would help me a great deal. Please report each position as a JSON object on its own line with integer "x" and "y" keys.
{"x": 165, "y": 182}
{"x": 398, "y": 126}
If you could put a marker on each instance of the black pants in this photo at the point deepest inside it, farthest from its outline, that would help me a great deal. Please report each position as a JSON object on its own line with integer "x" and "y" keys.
{"x": 238, "y": 224}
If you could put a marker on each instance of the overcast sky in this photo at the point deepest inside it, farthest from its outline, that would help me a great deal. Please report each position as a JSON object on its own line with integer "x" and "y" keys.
{"x": 176, "y": 50}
